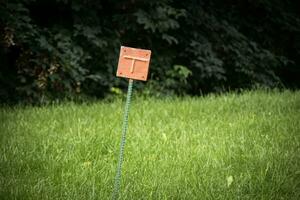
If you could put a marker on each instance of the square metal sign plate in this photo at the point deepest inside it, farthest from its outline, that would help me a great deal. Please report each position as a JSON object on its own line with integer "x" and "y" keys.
{"x": 134, "y": 63}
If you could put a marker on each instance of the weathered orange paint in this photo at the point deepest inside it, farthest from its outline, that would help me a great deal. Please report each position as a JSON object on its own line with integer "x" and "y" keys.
{"x": 134, "y": 63}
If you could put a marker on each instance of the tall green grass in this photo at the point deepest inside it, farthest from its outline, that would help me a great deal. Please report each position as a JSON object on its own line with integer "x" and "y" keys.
{"x": 231, "y": 146}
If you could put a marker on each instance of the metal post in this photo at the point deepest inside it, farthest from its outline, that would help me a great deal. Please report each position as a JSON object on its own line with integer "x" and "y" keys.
{"x": 115, "y": 194}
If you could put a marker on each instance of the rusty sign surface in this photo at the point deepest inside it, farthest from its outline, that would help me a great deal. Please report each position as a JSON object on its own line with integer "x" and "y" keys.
{"x": 134, "y": 63}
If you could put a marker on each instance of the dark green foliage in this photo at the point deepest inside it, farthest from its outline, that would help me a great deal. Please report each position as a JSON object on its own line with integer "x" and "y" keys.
{"x": 69, "y": 49}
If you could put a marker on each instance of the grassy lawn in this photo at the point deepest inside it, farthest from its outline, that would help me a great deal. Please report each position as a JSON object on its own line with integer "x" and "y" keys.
{"x": 231, "y": 146}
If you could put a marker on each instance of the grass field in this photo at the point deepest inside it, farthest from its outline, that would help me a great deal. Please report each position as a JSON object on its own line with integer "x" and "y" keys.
{"x": 231, "y": 146}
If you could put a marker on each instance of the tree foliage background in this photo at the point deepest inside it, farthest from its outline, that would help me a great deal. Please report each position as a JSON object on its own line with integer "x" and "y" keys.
{"x": 55, "y": 49}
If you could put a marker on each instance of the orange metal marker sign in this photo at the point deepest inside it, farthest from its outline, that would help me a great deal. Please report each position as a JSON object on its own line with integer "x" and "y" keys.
{"x": 134, "y": 63}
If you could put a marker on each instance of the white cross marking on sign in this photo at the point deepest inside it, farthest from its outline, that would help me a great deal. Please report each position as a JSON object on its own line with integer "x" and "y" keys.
{"x": 133, "y": 61}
